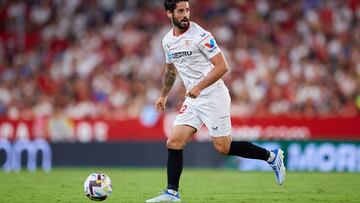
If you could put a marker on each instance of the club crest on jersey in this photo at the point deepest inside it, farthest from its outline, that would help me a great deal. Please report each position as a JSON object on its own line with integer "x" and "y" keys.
{"x": 210, "y": 45}
{"x": 188, "y": 43}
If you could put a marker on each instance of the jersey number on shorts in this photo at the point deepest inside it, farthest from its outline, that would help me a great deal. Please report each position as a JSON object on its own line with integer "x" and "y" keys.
{"x": 183, "y": 108}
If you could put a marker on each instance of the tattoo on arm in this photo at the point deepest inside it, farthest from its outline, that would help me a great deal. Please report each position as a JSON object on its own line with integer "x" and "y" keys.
{"x": 170, "y": 77}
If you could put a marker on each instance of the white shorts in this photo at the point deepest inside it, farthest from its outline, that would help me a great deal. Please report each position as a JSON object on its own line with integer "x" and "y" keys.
{"x": 213, "y": 110}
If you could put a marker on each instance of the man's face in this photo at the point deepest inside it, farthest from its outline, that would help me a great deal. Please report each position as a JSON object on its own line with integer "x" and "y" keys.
{"x": 180, "y": 16}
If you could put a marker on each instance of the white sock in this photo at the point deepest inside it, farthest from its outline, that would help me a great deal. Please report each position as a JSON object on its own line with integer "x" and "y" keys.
{"x": 173, "y": 192}
{"x": 271, "y": 157}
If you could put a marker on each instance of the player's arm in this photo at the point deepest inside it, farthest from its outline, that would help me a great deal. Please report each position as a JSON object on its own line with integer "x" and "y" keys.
{"x": 169, "y": 80}
{"x": 219, "y": 69}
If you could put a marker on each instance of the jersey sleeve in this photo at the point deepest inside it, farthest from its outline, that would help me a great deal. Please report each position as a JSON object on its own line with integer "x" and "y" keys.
{"x": 167, "y": 57}
{"x": 166, "y": 52}
{"x": 208, "y": 45}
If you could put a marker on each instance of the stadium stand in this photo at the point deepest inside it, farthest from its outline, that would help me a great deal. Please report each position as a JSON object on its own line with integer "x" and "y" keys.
{"x": 88, "y": 58}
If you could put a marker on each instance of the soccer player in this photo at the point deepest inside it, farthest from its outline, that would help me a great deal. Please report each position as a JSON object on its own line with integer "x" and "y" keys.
{"x": 192, "y": 53}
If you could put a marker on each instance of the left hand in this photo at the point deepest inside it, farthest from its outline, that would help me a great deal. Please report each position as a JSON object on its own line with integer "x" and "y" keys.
{"x": 194, "y": 92}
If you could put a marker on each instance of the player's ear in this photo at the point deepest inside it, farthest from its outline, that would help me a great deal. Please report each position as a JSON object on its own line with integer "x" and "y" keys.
{"x": 169, "y": 14}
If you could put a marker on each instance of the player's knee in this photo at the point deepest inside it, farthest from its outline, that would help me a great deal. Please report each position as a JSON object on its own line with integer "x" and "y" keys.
{"x": 174, "y": 144}
{"x": 222, "y": 148}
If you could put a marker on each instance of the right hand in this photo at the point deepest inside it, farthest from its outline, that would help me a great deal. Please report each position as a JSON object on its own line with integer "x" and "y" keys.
{"x": 160, "y": 103}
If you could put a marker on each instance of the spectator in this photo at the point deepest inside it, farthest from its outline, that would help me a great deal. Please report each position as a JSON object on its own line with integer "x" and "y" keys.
{"x": 103, "y": 58}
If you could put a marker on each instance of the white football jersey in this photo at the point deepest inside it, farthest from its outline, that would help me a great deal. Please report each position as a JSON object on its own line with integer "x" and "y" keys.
{"x": 191, "y": 53}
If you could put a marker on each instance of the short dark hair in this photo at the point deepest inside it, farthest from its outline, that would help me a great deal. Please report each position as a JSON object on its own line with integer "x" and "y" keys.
{"x": 170, "y": 5}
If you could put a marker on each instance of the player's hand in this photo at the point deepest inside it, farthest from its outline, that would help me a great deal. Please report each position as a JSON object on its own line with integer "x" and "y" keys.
{"x": 160, "y": 103}
{"x": 194, "y": 92}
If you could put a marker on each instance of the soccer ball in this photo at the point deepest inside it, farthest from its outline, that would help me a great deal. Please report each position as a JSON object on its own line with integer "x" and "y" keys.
{"x": 97, "y": 186}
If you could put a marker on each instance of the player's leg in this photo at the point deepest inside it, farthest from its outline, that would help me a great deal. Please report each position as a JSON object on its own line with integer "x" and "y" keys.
{"x": 185, "y": 126}
{"x": 175, "y": 144}
{"x": 179, "y": 136}
{"x": 216, "y": 116}
{"x": 215, "y": 113}
{"x": 245, "y": 149}
{"x": 226, "y": 146}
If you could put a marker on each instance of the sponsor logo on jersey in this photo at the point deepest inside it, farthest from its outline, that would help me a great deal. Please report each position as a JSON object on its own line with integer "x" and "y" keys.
{"x": 178, "y": 55}
{"x": 211, "y": 45}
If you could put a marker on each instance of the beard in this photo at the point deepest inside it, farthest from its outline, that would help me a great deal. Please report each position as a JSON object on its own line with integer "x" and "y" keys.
{"x": 182, "y": 24}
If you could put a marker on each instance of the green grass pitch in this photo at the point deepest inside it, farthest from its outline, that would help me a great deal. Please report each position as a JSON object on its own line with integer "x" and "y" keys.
{"x": 197, "y": 185}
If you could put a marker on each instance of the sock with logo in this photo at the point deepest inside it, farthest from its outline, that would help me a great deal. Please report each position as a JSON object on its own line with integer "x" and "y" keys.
{"x": 174, "y": 168}
{"x": 248, "y": 150}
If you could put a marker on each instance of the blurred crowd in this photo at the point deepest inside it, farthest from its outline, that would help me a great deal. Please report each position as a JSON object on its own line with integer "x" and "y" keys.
{"x": 104, "y": 58}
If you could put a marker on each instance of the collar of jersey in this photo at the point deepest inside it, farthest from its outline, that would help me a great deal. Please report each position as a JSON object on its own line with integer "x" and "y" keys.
{"x": 183, "y": 32}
